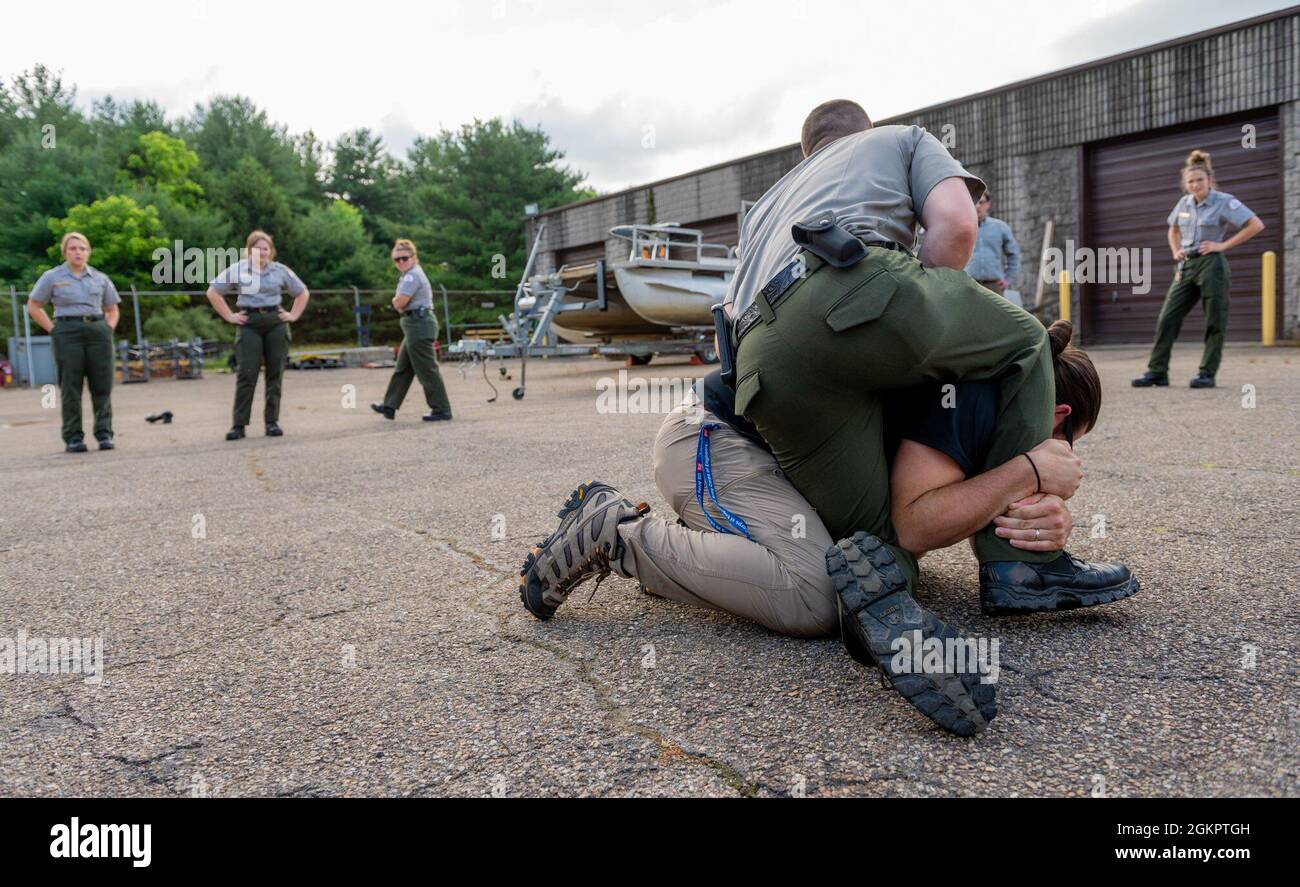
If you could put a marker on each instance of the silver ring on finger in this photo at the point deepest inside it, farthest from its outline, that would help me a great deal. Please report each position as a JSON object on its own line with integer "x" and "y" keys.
{"x": 1038, "y": 533}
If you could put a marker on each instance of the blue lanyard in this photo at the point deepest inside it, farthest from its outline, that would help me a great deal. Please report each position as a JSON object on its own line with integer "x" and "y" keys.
{"x": 704, "y": 477}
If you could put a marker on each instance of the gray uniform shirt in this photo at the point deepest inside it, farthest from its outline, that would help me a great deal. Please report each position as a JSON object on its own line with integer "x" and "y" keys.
{"x": 258, "y": 289}
{"x": 875, "y": 182}
{"x": 1209, "y": 220}
{"x": 75, "y": 295}
{"x": 415, "y": 284}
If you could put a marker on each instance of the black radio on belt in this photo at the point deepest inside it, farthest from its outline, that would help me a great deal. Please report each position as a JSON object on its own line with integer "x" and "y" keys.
{"x": 828, "y": 241}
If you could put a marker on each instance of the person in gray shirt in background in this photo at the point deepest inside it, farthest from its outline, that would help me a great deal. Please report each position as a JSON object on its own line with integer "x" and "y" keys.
{"x": 995, "y": 261}
{"x": 85, "y": 315}
{"x": 263, "y": 339}
{"x": 415, "y": 359}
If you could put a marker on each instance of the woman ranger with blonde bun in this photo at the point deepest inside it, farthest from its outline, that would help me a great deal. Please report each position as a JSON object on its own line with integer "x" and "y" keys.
{"x": 414, "y": 302}
{"x": 1197, "y": 227}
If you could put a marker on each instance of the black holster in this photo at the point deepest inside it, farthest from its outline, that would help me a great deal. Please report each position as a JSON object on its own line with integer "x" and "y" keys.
{"x": 726, "y": 345}
{"x": 828, "y": 241}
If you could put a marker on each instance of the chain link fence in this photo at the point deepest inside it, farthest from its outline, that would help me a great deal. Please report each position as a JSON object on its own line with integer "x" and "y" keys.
{"x": 182, "y": 319}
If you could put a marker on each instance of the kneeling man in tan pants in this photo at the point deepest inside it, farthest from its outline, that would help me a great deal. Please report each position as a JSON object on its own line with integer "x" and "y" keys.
{"x": 746, "y": 542}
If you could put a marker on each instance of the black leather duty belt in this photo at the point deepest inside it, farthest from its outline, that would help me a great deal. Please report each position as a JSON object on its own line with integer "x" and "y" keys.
{"x": 784, "y": 280}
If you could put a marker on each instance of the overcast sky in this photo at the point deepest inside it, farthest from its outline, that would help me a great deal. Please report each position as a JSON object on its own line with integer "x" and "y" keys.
{"x": 701, "y": 82}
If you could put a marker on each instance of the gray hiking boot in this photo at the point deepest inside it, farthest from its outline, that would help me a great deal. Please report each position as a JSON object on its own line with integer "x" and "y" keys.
{"x": 881, "y": 620}
{"x": 585, "y": 544}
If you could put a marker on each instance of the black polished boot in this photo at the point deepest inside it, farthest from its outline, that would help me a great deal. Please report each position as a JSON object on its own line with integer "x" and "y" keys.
{"x": 386, "y": 412}
{"x": 1062, "y": 584}
{"x": 1202, "y": 380}
{"x": 235, "y": 432}
{"x": 273, "y": 429}
{"x": 1147, "y": 379}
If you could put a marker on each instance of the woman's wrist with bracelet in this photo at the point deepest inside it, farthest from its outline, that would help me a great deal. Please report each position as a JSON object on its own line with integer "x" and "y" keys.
{"x": 1038, "y": 478}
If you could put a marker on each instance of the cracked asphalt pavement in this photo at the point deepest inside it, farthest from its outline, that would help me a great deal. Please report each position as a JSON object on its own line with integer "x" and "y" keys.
{"x": 335, "y": 612}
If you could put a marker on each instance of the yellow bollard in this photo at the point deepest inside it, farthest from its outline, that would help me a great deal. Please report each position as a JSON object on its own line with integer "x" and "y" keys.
{"x": 1268, "y": 299}
{"x": 1065, "y": 295}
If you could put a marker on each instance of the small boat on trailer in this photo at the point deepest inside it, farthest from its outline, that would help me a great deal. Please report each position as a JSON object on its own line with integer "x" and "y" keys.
{"x": 656, "y": 301}
{"x": 668, "y": 282}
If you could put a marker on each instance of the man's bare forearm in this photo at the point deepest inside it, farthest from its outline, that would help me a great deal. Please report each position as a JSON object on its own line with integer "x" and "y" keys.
{"x": 945, "y": 516}
{"x": 940, "y": 249}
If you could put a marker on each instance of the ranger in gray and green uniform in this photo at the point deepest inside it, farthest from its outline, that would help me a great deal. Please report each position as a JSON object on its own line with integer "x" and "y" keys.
{"x": 85, "y": 315}
{"x": 415, "y": 359}
{"x": 1198, "y": 237}
{"x": 259, "y": 282}
{"x": 822, "y": 332}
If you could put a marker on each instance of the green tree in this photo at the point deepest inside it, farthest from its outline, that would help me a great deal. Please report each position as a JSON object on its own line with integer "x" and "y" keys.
{"x": 230, "y": 131}
{"x": 49, "y": 160}
{"x": 332, "y": 242}
{"x": 123, "y": 236}
{"x": 250, "y": 198}
{"x": 166, "y": 165}
{"x": 365, "y": 176}
{"x": 469, "y": 189}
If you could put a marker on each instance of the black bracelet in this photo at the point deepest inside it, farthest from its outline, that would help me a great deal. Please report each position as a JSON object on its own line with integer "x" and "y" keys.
{"x": 1037, "y": 477}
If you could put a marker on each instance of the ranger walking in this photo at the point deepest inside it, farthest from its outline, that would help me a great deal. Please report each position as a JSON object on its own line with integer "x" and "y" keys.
{"x": 85, "y": 315}
{"x": 414, "y": 302}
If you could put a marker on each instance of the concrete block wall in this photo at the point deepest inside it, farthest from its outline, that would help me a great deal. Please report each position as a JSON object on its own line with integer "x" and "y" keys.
{"x": 1028, "y": 190}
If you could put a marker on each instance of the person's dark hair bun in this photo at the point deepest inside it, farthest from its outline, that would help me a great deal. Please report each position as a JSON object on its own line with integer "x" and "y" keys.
{"x": 1060, "y": 332}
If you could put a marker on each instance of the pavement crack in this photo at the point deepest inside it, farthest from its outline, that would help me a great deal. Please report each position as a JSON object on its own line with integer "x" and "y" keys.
{"x": 67, "y": 712}
{"x": 143, "y": 767}
{"x": 616, "y": 715}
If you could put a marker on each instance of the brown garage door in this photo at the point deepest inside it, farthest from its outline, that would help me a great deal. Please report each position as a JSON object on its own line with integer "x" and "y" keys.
{"x": 1130, "y": 186}
{"x": 584, "y": 254}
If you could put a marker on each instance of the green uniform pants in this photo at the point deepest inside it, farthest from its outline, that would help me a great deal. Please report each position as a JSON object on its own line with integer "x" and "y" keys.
{"x": 83, "y": 352}
{"x": 1203, "y": 279}
{"x": 812, "y": 376}
{"x": 416, "y": 359}
{"x": 264, "y": 339}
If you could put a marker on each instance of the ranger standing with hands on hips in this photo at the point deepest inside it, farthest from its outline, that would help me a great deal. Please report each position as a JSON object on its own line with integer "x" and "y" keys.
{"x": 414, "y": 301}
{"x": 263, "y": 325}
{"x": 1197, "y": 227}
{"x": 85, "y": 315}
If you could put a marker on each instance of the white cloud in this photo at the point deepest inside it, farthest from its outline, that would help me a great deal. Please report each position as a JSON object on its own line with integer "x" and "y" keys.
{"x": 716, "y": 79}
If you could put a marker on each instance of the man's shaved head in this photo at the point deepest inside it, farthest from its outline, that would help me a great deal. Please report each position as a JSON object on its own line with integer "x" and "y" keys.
{"x": 830, "y": 121}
